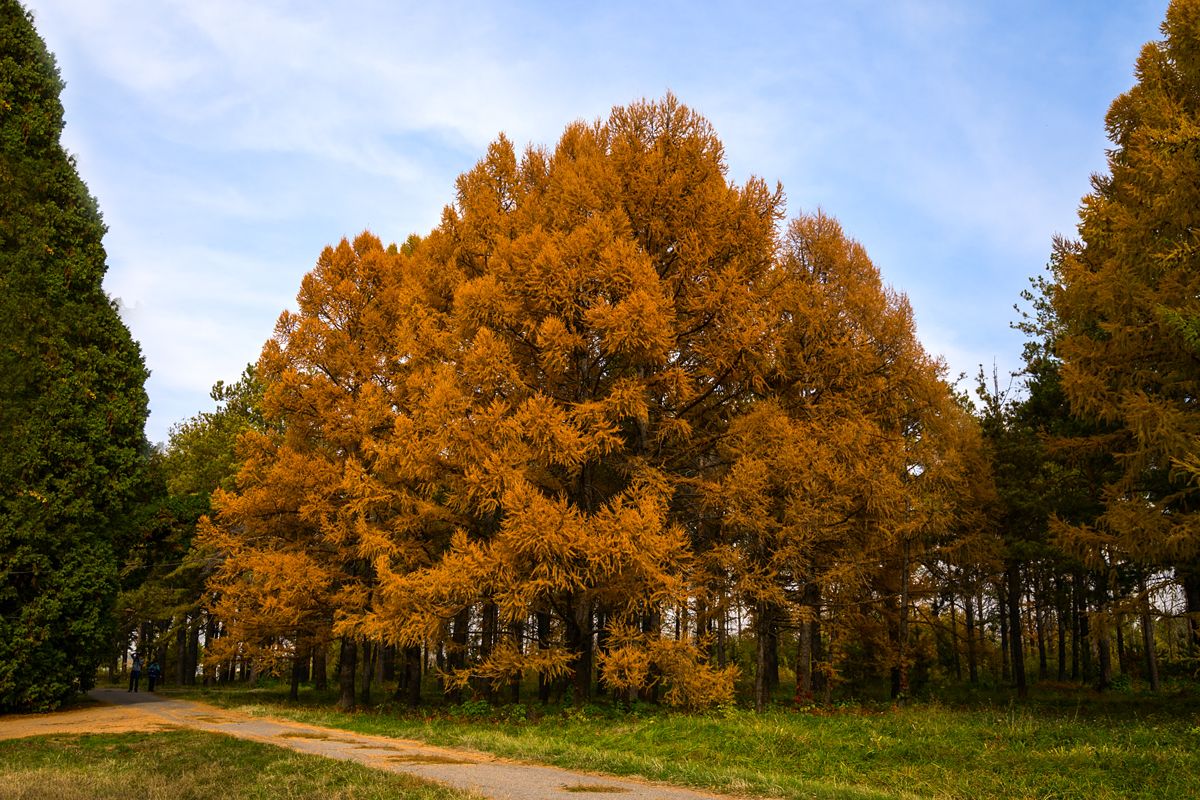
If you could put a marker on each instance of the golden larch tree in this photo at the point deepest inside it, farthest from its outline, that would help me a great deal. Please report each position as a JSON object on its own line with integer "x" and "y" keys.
{"x": 1127, "y": 295}
{"x": 604, "y": 299}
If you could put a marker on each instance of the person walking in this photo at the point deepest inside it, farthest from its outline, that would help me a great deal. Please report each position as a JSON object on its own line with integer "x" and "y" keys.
{"x": 135, "y": 673}
{"x": 153, "y": 674}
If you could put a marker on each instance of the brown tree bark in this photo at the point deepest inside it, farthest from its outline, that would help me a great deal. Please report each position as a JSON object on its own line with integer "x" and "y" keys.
{"x": 972, "y": 644}
{"x": 579, "y": 641}
{"x": 412, "y": 674}
{"x": 1016, "y": 646}
{"x": 1148, "y": 641}
{"x": 456, "y": 655}
{"x": 298, "y": 660}
{"x": 347, "y": 670}
{"x": 320, "y": 667}
{"x": 543, "y": 640}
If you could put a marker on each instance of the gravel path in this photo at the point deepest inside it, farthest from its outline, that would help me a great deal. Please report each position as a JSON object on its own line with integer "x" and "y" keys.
{"x": 484, "y": 774}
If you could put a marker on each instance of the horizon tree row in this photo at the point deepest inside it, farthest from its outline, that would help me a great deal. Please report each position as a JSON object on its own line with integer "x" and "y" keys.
{"x": 604, "y": 387}
{"x": 613, "y": 401}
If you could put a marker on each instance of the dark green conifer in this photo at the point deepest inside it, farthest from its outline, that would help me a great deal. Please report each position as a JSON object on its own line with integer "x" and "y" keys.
{"x": 72, "y": 397}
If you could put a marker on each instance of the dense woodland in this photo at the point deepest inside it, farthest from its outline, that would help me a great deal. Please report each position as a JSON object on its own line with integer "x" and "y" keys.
{"x": 619, "y": 426}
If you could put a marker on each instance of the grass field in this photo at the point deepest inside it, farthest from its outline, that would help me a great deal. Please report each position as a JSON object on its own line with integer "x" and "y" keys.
{"x": 1064, "y": 744}
{"x": 189, "y": 765}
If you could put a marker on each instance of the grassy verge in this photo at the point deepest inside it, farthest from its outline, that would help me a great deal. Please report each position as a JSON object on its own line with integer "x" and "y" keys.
{"x": 1067, "y": 745}
{"x": 188, "y": 765}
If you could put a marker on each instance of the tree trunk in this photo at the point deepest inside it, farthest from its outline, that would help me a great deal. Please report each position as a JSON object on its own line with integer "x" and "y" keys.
{"x": 181, "y": 631}
{"x": 1103, "y": 634}
{"x": 1060, "y": 602}
{"x": 804, "y": 647}
{"x": 824, "y": 682}
{"x": 489, "y": 620}
{"x": 804, "y": 690}
{"x": 389, "y": 663}
{"x": 1039, "y": 618}
{"x": 412, "y": 674}
{"x": 543, "y": 640}
{"x": 602, "y": 634}
{"x": 1016, "y": 646}
{"x": 1148, "y": 643}
{"x": 456, "y": 655}
{"x": 1078, "y": 631}
{"x": 760, "y": 671}
{"x": 298, "y": 659}
{"x": 347, "y": 669}
{"x": 1005, "y": 652}
{"x": 1122, "y": 657}
{"x": 766, "y": 676}
{"x": 370, "y": 651}
{"x": 1085, "y": 643}
{"x": 900, "y": 669}
{"x": 579, "y": 641}
{"x": 722, "y": 639}
{"x": 211, "y": 630}
{"x": 1105, "y": 656}
{"x": 821, "y": 682}
{"x": 517, "y": 632}
{"x": 954, "y": 637}
{"x": 972, "y": 644}
{"x": 980, "y": 619}
{"x": 772, "y": 675}
{"x": 320, "y": 667}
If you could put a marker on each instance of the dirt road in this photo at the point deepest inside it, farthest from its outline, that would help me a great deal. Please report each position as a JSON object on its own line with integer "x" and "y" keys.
{"x": 119, "y": 711}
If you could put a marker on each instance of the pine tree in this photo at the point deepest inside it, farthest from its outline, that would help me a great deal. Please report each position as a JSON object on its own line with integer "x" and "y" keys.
{"x": 72, "y": 402}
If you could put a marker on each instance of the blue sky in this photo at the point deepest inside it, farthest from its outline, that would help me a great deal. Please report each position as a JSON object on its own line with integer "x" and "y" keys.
{"x": 229, "y": 141}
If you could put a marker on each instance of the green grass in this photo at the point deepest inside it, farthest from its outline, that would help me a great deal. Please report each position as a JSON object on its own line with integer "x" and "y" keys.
{"x": 1067, "y": 744}
{"x": 189, "y": 765}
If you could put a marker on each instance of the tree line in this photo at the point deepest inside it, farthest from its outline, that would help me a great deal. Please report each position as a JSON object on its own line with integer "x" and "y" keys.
{"x": 617, "y": 425}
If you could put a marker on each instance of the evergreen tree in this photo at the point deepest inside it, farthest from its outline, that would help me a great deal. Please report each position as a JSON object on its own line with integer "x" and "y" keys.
{"x": 72, "y": 402}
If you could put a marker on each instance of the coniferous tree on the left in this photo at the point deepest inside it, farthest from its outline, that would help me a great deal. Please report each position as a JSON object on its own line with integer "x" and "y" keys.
{"x": 72, "y": 396}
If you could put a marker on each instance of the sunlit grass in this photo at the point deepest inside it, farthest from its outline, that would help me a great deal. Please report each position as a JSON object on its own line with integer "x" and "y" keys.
{"x": 1067, "y": 745}
{"x": 189, "y": 765}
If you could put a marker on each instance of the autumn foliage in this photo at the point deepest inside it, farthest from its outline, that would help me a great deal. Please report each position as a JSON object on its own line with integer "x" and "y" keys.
{"x": 608, "y": 397}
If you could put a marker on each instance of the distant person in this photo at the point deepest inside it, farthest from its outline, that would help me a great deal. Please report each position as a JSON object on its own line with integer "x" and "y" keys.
{"x": 154, "y": 674}
{"x": 135, "y": 673}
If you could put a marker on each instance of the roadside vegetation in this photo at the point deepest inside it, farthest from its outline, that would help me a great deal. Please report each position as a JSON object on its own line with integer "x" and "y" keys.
{"x": 1063, "y": 742}
{"x": 189, "y": 765}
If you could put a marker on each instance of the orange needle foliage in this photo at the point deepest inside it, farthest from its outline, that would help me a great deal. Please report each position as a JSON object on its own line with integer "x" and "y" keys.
{"x": 603, "y": 385}
{"x": 1127, "y": 297}
{"x": 832, "y": 471}
{"x": 311, "y": 514}
{"x": 606, "y": 312}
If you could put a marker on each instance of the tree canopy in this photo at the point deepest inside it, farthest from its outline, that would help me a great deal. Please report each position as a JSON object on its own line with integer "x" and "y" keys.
{"x": 617, "y": 424}
{"x": 601, "y": 387}
{"x": 1124, "y": 294}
